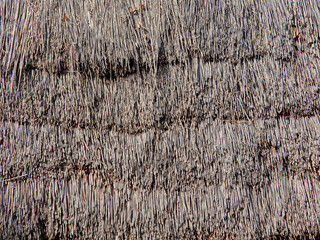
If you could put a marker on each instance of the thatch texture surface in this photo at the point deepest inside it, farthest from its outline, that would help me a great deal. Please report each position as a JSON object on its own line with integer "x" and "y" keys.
{"x": 171, "y": 120}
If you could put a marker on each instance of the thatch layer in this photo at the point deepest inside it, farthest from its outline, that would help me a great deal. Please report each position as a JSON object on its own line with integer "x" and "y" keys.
{"x": 110, "y": 39}
{"x": 172, "y": 119}
{"x": 258, "y": 89}
{"x": 83, "y": 207}
{"x": 213, "y": 152}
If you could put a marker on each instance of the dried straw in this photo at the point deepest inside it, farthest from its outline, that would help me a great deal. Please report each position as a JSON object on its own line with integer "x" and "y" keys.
{"x": 167, "y": 120}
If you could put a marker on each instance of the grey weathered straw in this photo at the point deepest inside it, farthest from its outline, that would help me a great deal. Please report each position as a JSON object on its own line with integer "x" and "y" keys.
{"x": 172, "y": 120}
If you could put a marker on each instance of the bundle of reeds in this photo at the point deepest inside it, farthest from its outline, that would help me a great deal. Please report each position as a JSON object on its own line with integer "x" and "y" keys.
{"x": 173, "y": 119}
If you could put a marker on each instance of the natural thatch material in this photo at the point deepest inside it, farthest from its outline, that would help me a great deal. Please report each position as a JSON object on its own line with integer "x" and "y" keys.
{"x": 172, "y": 119}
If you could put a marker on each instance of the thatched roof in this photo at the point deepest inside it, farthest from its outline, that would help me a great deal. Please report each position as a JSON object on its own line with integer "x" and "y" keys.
{"x": 173, "y": 119}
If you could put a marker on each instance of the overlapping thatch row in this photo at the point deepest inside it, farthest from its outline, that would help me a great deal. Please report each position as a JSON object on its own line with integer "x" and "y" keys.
{"x": 108, "y": 38}
{"x": 259, "y": 89}
{"x": 83, "y": 206}
{"x": 212, "y": 153}
{"x": 174, "y": 119}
